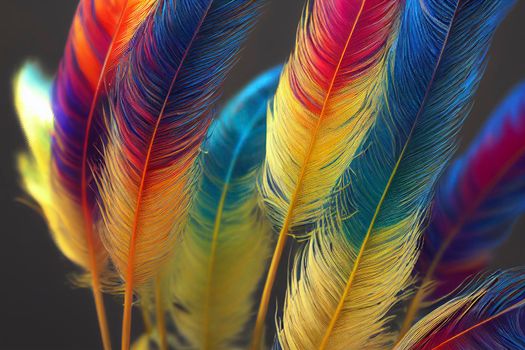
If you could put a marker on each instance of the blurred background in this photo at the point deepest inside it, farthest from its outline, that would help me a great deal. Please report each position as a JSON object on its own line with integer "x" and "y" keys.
{"x": 40, "y": 309}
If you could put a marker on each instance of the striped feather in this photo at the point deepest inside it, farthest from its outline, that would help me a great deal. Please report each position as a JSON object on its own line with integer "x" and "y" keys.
{"x": 478, "y": 200}
{"x": 161, "y": 110}
{"x": 358, "y": 264}
{"x": 321, "y": 112}
{"x": 489, "y": 314}
{"x": 227, "y": 242}
{"x": 98, "y": 35}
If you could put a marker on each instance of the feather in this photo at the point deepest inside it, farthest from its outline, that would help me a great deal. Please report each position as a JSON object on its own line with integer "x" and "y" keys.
{"x": 321, "y": 112}
{"x": 226, "y": 243}
{"x": 161, "y": 111}
{"x": 98, "y": 36}
{"x": 478, "y": 199}
{"x": 358, "y": 264}
{"x": 488, "y": 314}
{"x": 32, "y": 90}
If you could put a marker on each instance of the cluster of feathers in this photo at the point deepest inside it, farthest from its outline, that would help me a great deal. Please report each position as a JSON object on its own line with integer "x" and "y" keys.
{"x": 332, "y": 170}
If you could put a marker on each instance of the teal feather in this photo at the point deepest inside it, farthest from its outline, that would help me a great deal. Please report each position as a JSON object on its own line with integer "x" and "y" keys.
{"x": 224, "y": 251}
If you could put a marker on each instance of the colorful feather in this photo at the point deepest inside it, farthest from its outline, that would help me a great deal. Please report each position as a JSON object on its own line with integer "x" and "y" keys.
{"x": 161, "y": 111}
{"x": 478, "y": 200}
{"x": 227, "y": 242}
{"x": 358, "y": 264}
{"x": 321, "y": 112}
{"x": 98, "y": 34}
{"x": 488, "y": 314}
{"x": 98, "y": 37}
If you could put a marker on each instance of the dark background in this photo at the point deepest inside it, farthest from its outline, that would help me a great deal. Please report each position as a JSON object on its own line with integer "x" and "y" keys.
{"x": 39, "y": 309}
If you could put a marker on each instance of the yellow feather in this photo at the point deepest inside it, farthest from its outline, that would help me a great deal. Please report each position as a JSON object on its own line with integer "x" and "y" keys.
{"x": 379, "y": 274}
{"x": 217, "y": 295}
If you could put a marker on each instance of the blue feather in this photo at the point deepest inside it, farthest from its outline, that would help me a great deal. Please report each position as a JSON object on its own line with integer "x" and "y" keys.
{"x": 435, "y": 71}
{"x": 452, "y": 58}
{"x": 226, "y": 244}
{"x": 479, "y": 199}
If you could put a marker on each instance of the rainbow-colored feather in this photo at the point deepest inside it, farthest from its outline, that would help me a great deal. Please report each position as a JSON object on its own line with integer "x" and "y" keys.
{"x": 478, "y": 200}
{"x": 158, "y": 122}
{"x": 160, "y": 111}
{"x": 227, "y": 242}
{"x": 488, "y": 314}
{"x": 60, "y": 165}
{"x": 359, "y": 263}
{"x": 99, "y": 34}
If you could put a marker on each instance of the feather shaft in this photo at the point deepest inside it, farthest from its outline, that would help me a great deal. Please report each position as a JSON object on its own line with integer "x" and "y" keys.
{"x": 93, "y": 24}
{"x": 283, "y": 234}
{"x": 351, "y": 278}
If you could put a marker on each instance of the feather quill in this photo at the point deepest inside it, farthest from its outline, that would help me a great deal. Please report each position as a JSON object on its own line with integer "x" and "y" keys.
{"x": 478, "y": 200}
{"x": 161, "y": 111}
{"x": 488, "y": 314}
{"x": 226, "y": 244}
{"x": 358, "y": 264}
{"x": 320, "y": 113}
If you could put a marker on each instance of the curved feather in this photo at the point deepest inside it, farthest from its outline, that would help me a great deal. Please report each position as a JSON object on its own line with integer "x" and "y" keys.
{"x": 488, "y": 314}
{"x": 321, "y": 112}
{"x": 358, "y": 264}
{"x": 227, "y": 242}
{"x": 478, "y": 200}
{"x": 98, "y": 36}
{"x": 161, "y": 111}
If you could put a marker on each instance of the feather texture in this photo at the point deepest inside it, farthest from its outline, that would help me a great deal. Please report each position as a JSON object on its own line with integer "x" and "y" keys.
{"x": 320, "y": 113}
{"x": 358, "y": 264}
{"x": 488, "y": 314}
{"x": 226, "y": 244}
{"x": 478, "y": 199}
{"x": 161, "y": 111}
{"x": 98, "y": 36}
{"x": 321, "y": 110}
